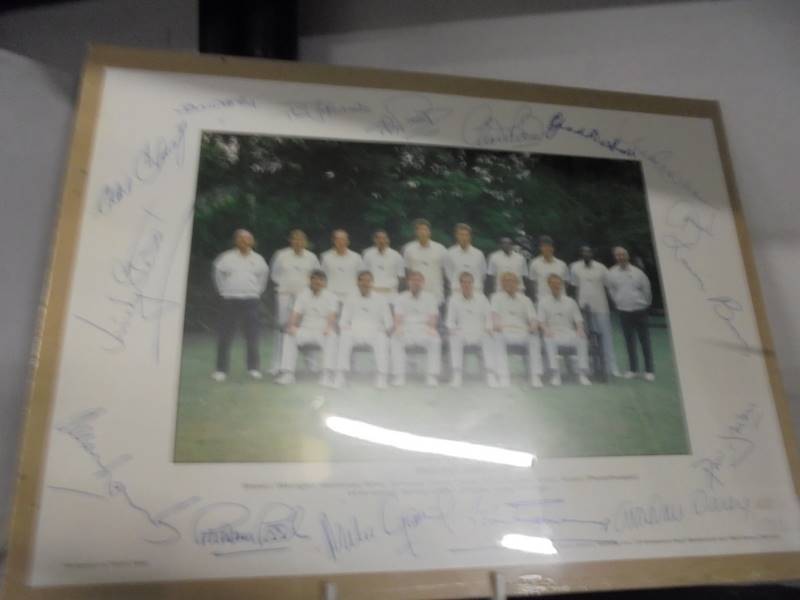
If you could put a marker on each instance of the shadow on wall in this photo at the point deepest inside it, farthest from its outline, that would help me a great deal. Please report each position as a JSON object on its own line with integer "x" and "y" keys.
{"x": 319, "y": 17}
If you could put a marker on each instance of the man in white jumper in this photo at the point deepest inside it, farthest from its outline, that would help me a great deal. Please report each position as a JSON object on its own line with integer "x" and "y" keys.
{"x": 416, "y": 315}
{"x": 545, "y": 265}
{"x": 506, "y": 260}
{"x": 312, "y": 323}
{"x": 464, "y": 257}
{"x": 562, "y": 324}
{"x": 366, "y": 321}
{"x": 469, "y": 324}
{"x": 589, "y": 277}
{"x": 342, "y": 266}
{"x": 515, "y": 324}
{"x": 427, "y": 258}
{"x": 291, "y": 268}
{"x": 240, "y": 276}
{"x": 630, "y": 290}
{"x": 386, "y": 265}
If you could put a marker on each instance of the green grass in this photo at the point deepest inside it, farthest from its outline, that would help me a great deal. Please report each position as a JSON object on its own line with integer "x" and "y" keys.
{"x": 243, "y": 420}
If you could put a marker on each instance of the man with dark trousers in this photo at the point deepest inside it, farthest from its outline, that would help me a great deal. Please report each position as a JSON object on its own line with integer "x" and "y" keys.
{"x": 629, "y": 288}
{"x": 240, "y": 276}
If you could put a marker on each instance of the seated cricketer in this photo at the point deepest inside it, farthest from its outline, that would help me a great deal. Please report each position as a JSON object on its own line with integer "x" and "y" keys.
{"x": 240, "y": 276}
{"x": 515, "y": 324}
{"x": 562, "y": 323}
{"x": 366, "y": 320}
{"x": 416, "y": 314}
{"x": 469, "y": 323}
{"x": 312, "y": 322}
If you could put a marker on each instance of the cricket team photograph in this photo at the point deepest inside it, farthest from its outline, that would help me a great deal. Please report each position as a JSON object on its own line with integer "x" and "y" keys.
{"x": 503, "y": 298}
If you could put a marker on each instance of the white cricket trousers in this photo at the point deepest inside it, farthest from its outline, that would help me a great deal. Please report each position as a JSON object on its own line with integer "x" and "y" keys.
{"x": 522, "y": 339}
{"x": 580, "y": 344}
{"x": 283, "y": 305}
{"x": 291, "y": 343}
{"x": 377, "y": 342}
{"x": 432, "y": 344}
{"x": 459, "y": 341}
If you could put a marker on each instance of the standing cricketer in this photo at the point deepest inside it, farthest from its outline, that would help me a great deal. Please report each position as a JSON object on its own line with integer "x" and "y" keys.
{"x": 427, "y": 258}
{"x": 240, "y": 276}
{"x": 545, "y": 265}
{"x": 464, "y": 257}
{"x": 589, "y": 277}
{"x": 386, "y": 265}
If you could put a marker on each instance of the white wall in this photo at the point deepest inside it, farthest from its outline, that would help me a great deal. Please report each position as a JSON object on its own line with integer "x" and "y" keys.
{"x": 744, "y": 53}
{"x": 58, "y": 34}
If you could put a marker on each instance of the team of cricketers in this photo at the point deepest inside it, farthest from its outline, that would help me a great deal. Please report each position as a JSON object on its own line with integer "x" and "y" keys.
{"x": 391, "y": 304}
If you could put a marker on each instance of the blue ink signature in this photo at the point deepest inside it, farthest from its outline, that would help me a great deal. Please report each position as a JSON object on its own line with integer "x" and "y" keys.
{"x": 344, "y": 537}
{"x": 736, "y": 445}
{"x": 138, "y": 294}
{"x": 726, "y": 309}
{"x": 148, "y": 164}
{"x": 705, "y": 501}
{"x": 401, "y": 520}
{"x": 529, "y": 511}
{"x": 409, "y": 115}
{"x": 482, "y": 128}
{"x": 230, "y": 524}
{"x": 632, "y": 516}
{"x": 190, "y": 108}
{"x": 80, "y": 428}
{"x": 322, "y": 110}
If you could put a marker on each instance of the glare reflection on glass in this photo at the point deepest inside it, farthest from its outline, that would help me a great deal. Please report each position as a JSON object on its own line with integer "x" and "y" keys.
{"x": 528, "y": 543}
{"x": 431, "y": 445}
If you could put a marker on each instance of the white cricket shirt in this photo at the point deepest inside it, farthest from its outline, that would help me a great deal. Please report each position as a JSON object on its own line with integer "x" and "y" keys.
{"x": 500, "y": 262}
{"x": 366, "y": 316}
{"x": 315, "y": 308}
{"x": 540, "y": 270}
{"x": 516, "y": 313}
{"x": 591, "y": 285}
{"x": 470, "y": 260}
{"x": 562, "y": 315}
{"x": 430, "y": 261}
{"x": 385, "y": 267}
{"x": 290, "y": 271}
{"x": 342, "y": 271}
{"x": 416, "y": 311}
{"x": 471, "y": 316}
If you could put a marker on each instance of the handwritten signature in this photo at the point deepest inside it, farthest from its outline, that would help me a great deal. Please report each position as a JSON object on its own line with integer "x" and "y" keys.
{"x": 409, "y": 115}
{"x": 323, "y": 110}
{"x": 190, "y": 108}
{"x": 148, "y": 164}
{"x": 80, "y": 428}
{"x": 139, "y": 283}
{"x": 482, "y": 127}
{"x": 231, "y": 524}
{"x": 736, "y": 445}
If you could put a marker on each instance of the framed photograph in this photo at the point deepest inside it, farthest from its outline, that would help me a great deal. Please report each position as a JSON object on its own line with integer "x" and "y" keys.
{"x": 406, "y": 335}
